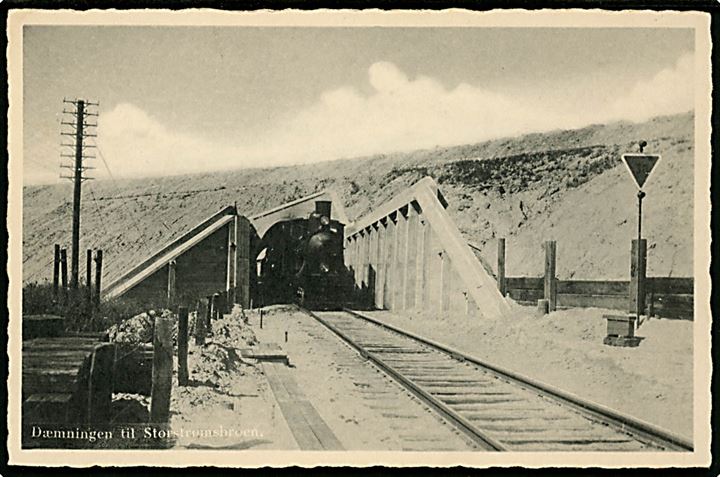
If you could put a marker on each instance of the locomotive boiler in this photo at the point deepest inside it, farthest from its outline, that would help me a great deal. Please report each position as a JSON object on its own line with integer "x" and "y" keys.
{"x": 301, "y": 261}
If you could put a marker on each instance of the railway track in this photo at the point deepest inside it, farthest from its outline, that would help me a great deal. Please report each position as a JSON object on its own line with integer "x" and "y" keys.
{"x": 497, "y": 409}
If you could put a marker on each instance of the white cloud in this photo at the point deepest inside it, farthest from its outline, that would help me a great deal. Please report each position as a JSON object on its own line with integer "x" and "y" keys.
{"x": 399, "y": 114}
{"x": 136, "y": 144}
{"x": 669, "y": 91}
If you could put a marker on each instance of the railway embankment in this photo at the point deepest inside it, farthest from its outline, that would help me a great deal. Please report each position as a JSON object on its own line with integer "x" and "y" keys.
{"x": 653, "y": 382}
{"x": 567, "y": 185}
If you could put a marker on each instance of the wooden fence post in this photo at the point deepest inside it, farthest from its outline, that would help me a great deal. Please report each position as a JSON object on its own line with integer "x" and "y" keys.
{"x": 63, "y": 270}
{"x": 550, "y": 284}
{"x": 638, "y": 269}
{"x": 162, "y": 370}
{"x": 225, "y": 298}
{"x": 502, "y": 285}
{"x": 182, "y": 341}
{"x": 216, "y": 306}
{"x": 88, "y": 267}
{"x": 232, "y": 298}
{"x": 542, "y": 307}
{"x": 98, "y": 274}
{"x": 211, "y": 313}
{"x": 100, "y": 383}
{"x": 171, "y": 285}
{"x": 56, "y": 271}
{"x": 201, "y": 322}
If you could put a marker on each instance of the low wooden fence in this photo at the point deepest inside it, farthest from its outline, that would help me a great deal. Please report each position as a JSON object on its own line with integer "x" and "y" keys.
{"x": 667, "y": 297}
{"x": 149, "y": 367}
{"x": 60, "y": 275}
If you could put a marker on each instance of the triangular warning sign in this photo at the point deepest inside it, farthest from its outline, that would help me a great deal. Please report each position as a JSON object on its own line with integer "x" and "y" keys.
{"x": 640, "y": 166}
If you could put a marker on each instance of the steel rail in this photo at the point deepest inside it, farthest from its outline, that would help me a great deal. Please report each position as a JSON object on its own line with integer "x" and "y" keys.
{"x": 462, "y": 424}
{"x": 641, "y": 430}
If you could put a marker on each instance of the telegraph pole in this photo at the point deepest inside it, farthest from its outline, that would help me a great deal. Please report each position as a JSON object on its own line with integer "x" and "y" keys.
{"x": 80, "y": 132}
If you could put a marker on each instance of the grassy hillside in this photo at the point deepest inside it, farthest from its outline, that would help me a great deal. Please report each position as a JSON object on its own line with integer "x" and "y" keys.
{"x": 568, "y": 185}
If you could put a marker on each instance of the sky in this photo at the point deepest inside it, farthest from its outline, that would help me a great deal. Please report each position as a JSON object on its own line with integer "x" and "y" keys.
{"x": 176, "y": 100}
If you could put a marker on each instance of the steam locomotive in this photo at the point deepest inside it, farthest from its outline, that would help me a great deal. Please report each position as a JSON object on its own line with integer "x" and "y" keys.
{"x": 301, "y": 261}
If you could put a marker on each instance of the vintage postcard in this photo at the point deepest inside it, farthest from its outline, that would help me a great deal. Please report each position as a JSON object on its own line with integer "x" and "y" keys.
{"x": 399, "y": 238}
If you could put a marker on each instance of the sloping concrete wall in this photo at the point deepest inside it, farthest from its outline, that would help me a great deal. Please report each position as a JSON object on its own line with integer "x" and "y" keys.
{"x": 210, "y": 258}
{"x": 409, "y": 254}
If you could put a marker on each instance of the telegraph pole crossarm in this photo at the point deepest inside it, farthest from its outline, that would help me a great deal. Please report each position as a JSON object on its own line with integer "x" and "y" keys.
{"x": 80, "y": 130}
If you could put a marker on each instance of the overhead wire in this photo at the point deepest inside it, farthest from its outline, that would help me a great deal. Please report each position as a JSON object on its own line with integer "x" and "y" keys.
{"x": 100, "y": 214}
{"x": 122, "y": 203}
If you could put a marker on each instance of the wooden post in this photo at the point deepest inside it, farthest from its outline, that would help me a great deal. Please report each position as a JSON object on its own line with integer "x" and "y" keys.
{"x": 232, "y": 298}
{"x": 98, "y": 274}
{"x": 56, "y": 271}
{"x": 201, "y": 321}
{"x": 219, "y": 305}
{"x": 227, "y": 307}
{"x": 210, "y": 313}
{"x": 542, "y": 307}
{"x": 161, "y": 370}
{"x": 63, "y": 268}
{"x": 550, "y": 283}
{"x": 216, "y": 306}
{"x": 502, "y": 286}
{"x": 638, "y": 269}
{"x": 100, "y": 381}
{"x": 88, "y": 270}
{"x": 182, "y": 341}
{"x": 171, "y": 285}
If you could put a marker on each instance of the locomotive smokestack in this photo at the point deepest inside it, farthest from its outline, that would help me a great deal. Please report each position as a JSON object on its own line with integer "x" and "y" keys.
{"x": 323, "y": 207}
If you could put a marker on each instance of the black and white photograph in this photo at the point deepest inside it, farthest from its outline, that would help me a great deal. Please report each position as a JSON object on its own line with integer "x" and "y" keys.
{"x": 396, "y": 238}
